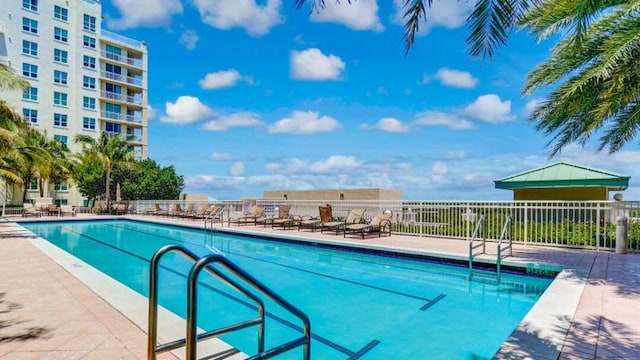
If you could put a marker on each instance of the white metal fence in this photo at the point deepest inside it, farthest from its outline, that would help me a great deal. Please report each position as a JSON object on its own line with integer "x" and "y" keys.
{"x": 582, "y": 224}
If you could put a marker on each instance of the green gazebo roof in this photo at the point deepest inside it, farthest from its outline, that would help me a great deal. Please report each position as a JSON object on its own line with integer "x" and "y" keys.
{"x": 564, "y": 175}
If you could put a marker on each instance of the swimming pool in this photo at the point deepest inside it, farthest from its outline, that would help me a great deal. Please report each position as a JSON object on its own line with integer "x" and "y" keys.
{"x": 361, "y": 306}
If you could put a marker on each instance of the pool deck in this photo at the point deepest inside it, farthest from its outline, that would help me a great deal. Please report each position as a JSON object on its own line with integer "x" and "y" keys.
{"x": 46, "y": 312}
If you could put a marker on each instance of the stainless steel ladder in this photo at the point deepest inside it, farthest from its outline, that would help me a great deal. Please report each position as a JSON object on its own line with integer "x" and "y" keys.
{"x": 192, "y": 337}
{"x": 499, "y": 250}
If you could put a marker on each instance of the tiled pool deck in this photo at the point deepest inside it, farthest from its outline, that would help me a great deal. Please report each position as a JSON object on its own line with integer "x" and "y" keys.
{"x": 46, "y": 312}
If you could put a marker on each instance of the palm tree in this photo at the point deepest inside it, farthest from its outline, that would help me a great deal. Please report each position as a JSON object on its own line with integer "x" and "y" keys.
{"x": 109, "y": 151}
{"x": 595, "y": 70}
{"x": 490, "y": 23}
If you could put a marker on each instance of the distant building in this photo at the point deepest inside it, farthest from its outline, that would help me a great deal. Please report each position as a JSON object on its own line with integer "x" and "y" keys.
{"x": 563, "y": 181}
{"x": 84, "y": 79}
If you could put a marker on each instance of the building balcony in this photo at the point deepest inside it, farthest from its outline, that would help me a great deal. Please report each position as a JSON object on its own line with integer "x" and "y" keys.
{"x": 129, "y": 119}
{"x": 136, "y": 44}
{"x": 135, "y": 62}
{"x": 128, "y": 99}
{"x": 131, "y": 80}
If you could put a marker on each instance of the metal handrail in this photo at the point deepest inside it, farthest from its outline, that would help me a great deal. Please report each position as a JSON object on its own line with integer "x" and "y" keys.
{"x": 472, "y": 247}
{"x": 191, "y": 339}
{"x": 152, "y": 348}
{"x": 192, "y": 313}
{"x": 507, "y": 222}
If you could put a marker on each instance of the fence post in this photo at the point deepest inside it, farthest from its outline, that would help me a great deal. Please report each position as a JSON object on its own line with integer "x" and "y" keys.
{"x": 526, "y": 222}
{"x": 621, "y": 234}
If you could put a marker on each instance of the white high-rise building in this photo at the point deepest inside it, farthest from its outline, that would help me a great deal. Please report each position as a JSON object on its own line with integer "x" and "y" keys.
{"x": 84, "y": 79}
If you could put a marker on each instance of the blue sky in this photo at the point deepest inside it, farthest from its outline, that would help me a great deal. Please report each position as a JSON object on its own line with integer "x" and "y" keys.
{"x": 248, "y": 96}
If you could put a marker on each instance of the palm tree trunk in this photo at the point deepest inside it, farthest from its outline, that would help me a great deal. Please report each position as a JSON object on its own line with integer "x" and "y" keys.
{"x": 107, "y": 185}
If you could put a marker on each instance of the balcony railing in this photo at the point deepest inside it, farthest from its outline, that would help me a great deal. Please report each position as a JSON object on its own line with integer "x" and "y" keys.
{"x": 135, "y": 99}
{"x": 123, "y": 39}
{"x": 112, "y": 115}
{"x": 122, "y": 59}
{"x": 132, "y": 80}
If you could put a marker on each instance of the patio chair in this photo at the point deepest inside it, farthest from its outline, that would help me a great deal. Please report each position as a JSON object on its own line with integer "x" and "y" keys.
{"x": 313, "y": 224}
{"x": 29, "y": 210}
{"x": 121, "y": 209}
{"x": 354, "y": 217}
{"x": 157, "y": 210}
{"x": 67, "y": 210}
{"x": 53, "y": 210}
{"x": 379, "y": 224}
{"x": 256, "y": 213}
{"x": 278, "y": 220}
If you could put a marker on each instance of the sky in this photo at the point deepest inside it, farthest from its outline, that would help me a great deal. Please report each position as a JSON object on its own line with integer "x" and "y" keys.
{"x": 247, "y": 96}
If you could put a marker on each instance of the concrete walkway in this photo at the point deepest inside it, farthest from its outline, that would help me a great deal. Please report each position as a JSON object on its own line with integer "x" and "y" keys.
{"x": 589, "y": 312}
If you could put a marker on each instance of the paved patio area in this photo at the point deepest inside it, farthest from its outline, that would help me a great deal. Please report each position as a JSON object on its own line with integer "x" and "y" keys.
{"x": 46, "y": 312}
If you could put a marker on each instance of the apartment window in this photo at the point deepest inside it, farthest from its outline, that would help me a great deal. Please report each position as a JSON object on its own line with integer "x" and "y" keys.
{"x": 88, "y": 102}
{"x": 60, "y": 56}
{"x": 31, "y": 94}
{"x": 89, "y": 61}
{"x": 30, "y": 5}
{"x": 88, "y": 82}
{"x": 60, "y": 120}
{"x": 60, "y": 77}
{"x": 29, "y": 25}
{"x": 60, "y": 13}
{"x": 30, "y": 70}
{"x": 60, "y": 34}
{"x": 33, "y": 184}
{"x": 89, "y": 42}
{"x": 112, "y": 128}
{"x": 61, "y": 201}
{"x": 59, "y": 98}
{"x": 88, "y": 123}
{"x": 89, "y": 23}
{"x": 61, "y": 138}
{"x": 29, "y": 48}
{"x": 62, "y": 186}
{"x": 30, "y": 115}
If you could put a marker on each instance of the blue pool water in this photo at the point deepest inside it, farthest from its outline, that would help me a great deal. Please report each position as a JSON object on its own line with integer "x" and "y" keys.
{"x": 361, "y": 306}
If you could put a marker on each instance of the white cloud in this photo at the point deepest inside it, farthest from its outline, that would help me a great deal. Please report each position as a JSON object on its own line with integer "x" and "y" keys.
{"x": 454, "y": 78}
{"x": 390, "y": 125}
{"x": 304, "y": 122}
{"x": 531, "y": 106}
{"x": 447, "y": 14}
{"x": 454, "y": 155}
{"x": 186, "y": 110}
{"x": 237, "y": 169}
{"x": 149, "y": 13}
{"x": 334, "y": 164}
{"x": 357, "y": 15}
{"x": 222, "y": 79}
{"x": 491, "y": 109}
{"x": 312, "y": 64}
{"x": 434, "y": 118}
{"x": 440, "y": 168}
{"x": 151, "y": 113}
{"x": 241, "y": 119}
{"x": 189, "y": 39}
{"x": 247, "y": 14}
{"x": 221, "y": 156}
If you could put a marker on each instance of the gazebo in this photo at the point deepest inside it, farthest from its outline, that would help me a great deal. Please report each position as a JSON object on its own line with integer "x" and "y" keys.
{"x": 563, "y": 181}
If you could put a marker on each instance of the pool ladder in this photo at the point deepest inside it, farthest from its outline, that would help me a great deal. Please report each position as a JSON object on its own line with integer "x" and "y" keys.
{"x": 192, "y": 337}
{"x": 501, "y": 251}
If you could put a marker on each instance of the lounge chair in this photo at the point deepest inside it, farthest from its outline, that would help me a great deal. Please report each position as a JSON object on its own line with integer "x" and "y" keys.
{"x": 121, "y": 209}
{"x": 354, "y": 217}
{"x": 379, "y": 224}
{"x": 313, "y": 224}
{"x": 256, "y": 213}
{"x": 157, "y": 210}
{"x": 67, "y": 210}
{"x": 53, "y": 210}
{"x": 280, "y": 220}
{"x": 29, "y": 210}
